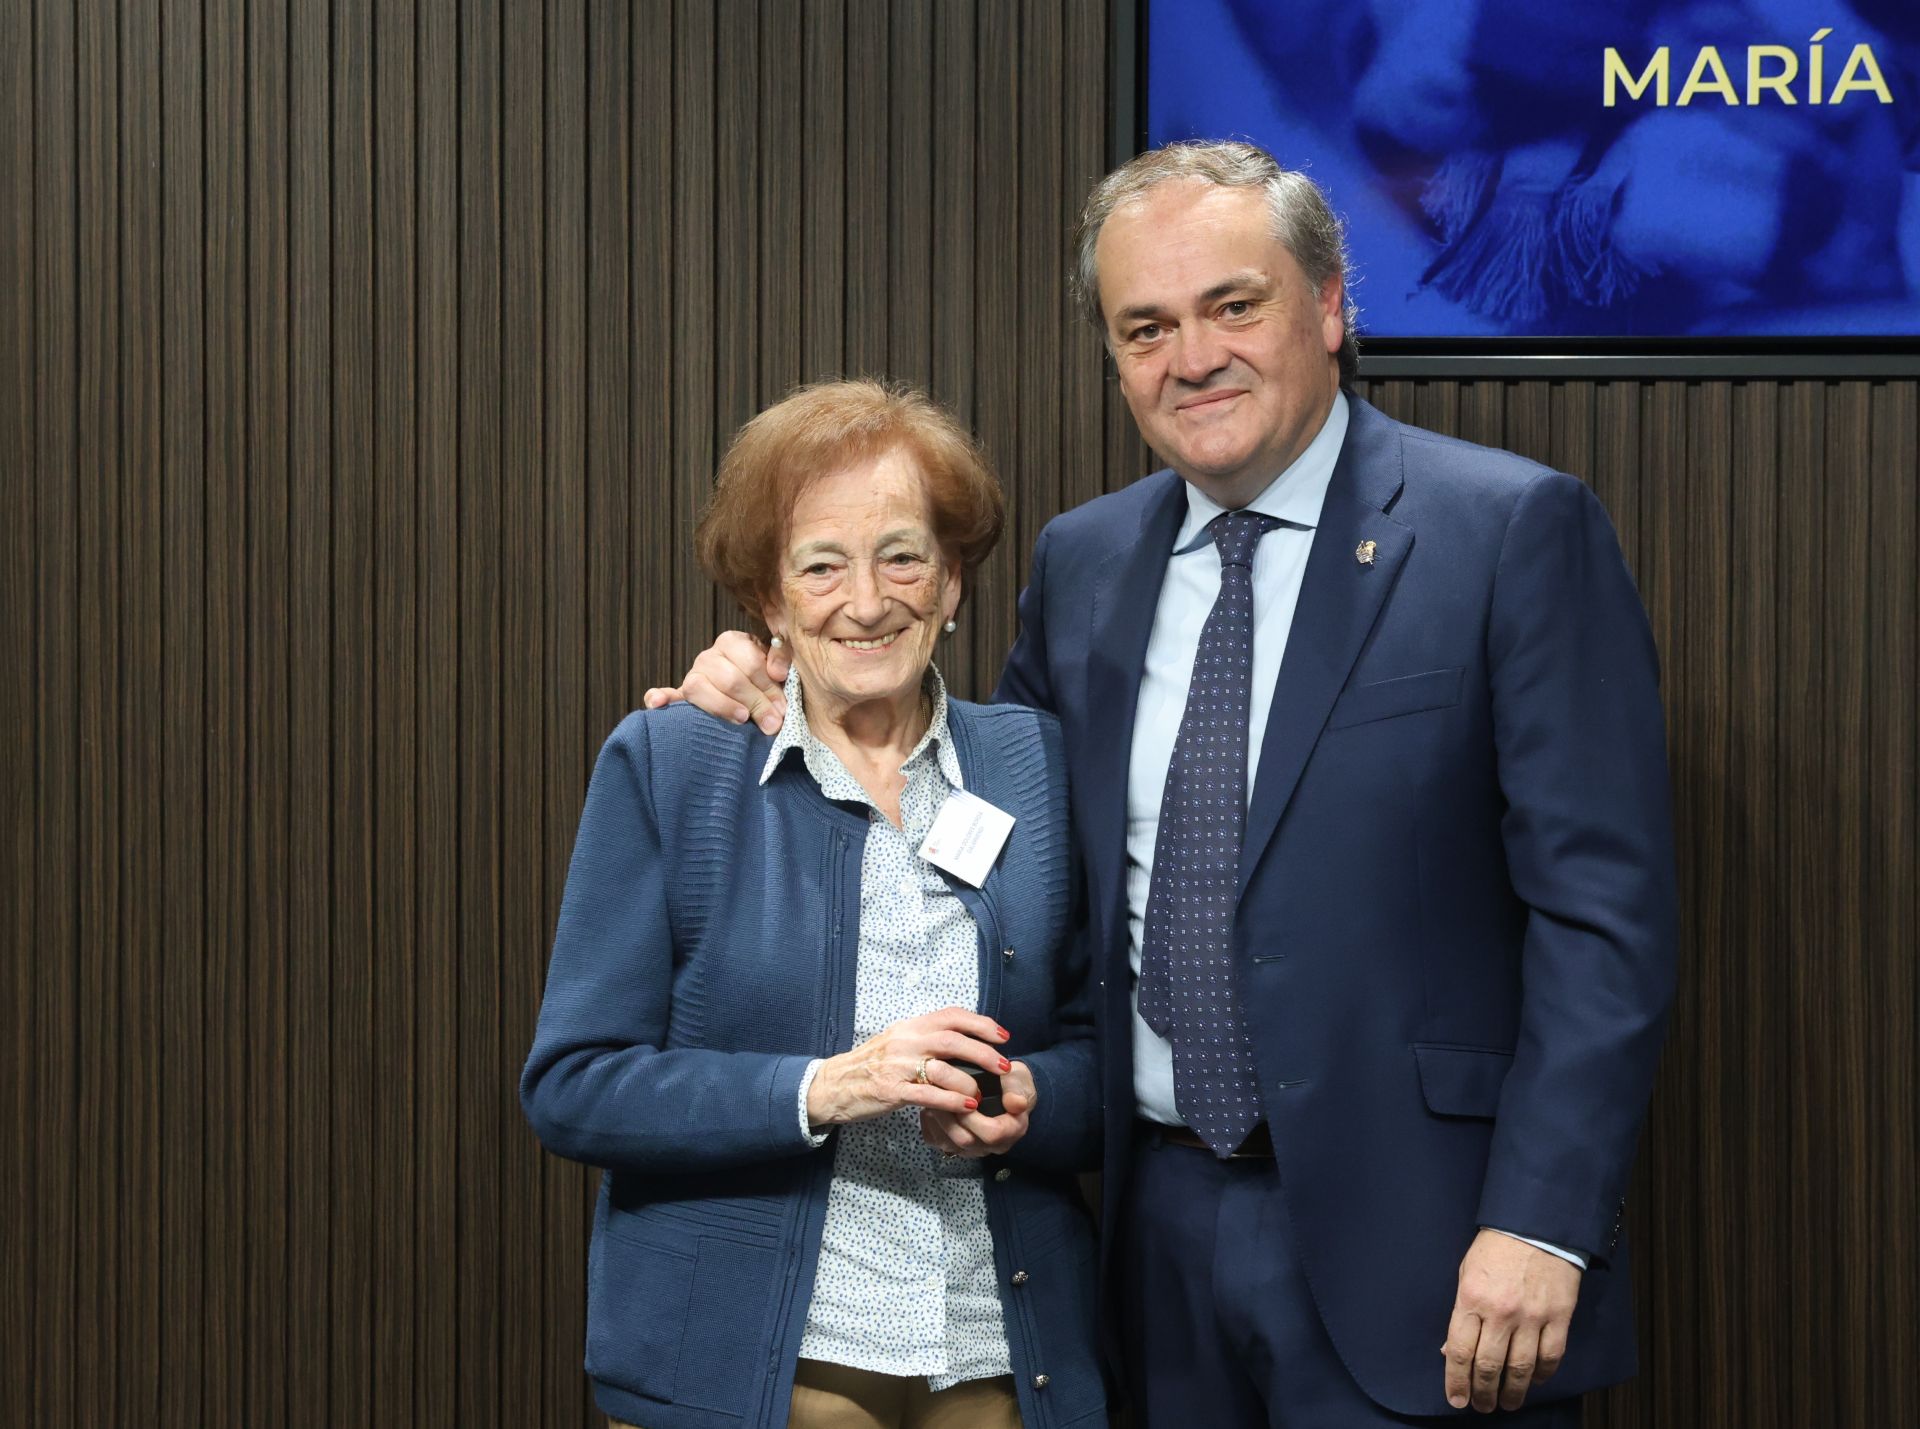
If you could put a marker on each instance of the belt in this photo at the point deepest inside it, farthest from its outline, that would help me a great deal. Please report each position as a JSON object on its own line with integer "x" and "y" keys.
{"x": 1257, "y": 1146}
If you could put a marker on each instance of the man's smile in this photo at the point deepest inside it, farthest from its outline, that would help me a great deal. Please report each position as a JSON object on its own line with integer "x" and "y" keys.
{"x": 1211, "y": 401}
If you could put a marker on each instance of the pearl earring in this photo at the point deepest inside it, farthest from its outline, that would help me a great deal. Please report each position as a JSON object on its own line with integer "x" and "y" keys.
{"x": 775, "y": 643}
{"x": 950, "y": 627}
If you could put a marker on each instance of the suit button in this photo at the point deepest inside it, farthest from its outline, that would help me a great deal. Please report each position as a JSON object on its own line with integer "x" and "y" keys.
{"x": 1019, "y": 1277}
{"x": 1041, "y": 1381}
{"x": 1003, "y": 1174}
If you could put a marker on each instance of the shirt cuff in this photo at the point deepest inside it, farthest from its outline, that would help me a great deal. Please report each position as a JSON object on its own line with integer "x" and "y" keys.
{"x": 1572, "y": 1257}
{"x": 806, "y": 1127}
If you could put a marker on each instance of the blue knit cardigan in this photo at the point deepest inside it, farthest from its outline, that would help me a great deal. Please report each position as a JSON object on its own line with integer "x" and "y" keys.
{"x": 705, "y": 953}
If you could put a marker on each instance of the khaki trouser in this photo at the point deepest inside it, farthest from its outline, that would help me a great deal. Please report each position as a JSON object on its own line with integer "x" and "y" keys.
{"x": 832, "y": 1396}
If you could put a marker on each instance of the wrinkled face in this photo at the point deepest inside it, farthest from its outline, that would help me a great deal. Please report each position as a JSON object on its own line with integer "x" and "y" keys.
{"x": 863, "y": 588}
{"x": 1227, "y": 357}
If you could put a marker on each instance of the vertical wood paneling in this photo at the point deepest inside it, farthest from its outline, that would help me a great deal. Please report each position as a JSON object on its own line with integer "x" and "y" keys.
{"x": 1483, "y": 412}
{"x": 96, "y": 1273}
{"x": 638, "y": 614}
{"x": 311, "y": 850}
{"x": 1893, "y": 921}
{"x": 523, "y": 915}
{"x": 869, "y": 180}
{"x": 1528, "y": 430}
{"x": 143, "y": 657}
{"x": 55, "y": 837}
{"x": 183, "y": 694}
{"x": 1570, "y": 429}
{"x": 824, "y": 193}
{"x": 224, "y": 986}
{"x": 1756, "y": 1076}
{"x": 1697, "y": 715}
{"x": 693, "y": 371}
{"x": 443, "y": 769}
{"x": 19, "y": 275}
{"x": 354, "y": 642}
{"x": 270, "y": 1346}
{"x": 952, "y": 196}
{"x": 20, "y": 282}
{"x": 732, "y": 313}
{"x": 997, "y": 375}
{"x": 951, "y": 308}
{"x": 1076, "y": 354}
{"x": 1809, "y": 870}
{"x": 479, "y": 1193}
{"x": 911, "y": 216}
{"x": 567, "y": 735}
{"x": 780, "y": 195}
{"x": 1032, "y": 465}
{"x": 616, "y": 253}
{"x": 396, "y": 713}
{"x": 367, "y": 365}
{"x": 1673, "y": 1239}
{"x": 1855, "y": 1038}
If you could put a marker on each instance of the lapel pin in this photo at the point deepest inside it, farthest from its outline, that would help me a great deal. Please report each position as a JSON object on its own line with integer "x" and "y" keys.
{"x": 1363, "y": 553}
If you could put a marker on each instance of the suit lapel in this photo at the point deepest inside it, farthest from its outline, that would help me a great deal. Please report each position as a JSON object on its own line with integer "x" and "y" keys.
{"x": 1124, "y": 596}
{"x": 1340, "y": 599}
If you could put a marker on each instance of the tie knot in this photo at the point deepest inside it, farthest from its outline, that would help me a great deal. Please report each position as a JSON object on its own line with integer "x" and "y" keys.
{"x": 1236, "y": 533}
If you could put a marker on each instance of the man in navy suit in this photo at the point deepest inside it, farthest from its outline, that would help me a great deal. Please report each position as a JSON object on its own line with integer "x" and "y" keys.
{"x": 1379, "y": 1034}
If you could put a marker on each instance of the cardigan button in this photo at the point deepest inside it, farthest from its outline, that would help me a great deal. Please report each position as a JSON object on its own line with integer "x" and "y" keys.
{"x": 1007, "y": 954}
{"x": 1019, "y": 1277}
{"x": 1041, "y": 1381}
{"x": 1003, "y": 1174}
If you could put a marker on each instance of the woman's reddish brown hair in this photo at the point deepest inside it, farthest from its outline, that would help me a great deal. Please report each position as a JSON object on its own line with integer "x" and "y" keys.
{"x": 823, "y": 428}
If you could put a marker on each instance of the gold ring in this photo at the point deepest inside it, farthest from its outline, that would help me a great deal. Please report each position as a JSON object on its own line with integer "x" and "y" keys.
{"x": 920, "y": 1072}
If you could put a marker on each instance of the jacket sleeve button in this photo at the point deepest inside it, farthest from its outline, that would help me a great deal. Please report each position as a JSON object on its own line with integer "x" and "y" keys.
{"x": 1007, "y": 953}
{"x": 1003, "y": 1174}
{"x": 1019, "y": 1277}
{"x": 1041, "y": 1381}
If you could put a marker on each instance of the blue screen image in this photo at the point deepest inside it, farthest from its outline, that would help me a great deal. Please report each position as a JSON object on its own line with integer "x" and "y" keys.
{"x": 1763, "y": 181}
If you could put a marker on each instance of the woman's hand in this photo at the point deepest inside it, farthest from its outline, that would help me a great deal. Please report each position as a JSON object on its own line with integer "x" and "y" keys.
{"x": 974, "y": 1133}
{"x": 884, "y": 1072}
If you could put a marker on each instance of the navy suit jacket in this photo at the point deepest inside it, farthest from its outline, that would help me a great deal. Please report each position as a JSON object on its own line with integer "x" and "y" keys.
{"x": 1456, "y": 928}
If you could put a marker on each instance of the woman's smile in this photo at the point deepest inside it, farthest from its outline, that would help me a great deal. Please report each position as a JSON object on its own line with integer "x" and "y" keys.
{"x": 867, "y": 642}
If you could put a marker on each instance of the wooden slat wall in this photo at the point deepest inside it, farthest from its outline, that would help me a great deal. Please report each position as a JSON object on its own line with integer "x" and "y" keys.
{"x": 362, "y": 369}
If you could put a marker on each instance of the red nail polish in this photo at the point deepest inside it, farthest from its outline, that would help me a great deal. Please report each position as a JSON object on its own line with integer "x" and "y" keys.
{"x": 973, "y": 1103}
{"x": 1004, "y": 1034}
{"x": 1005, "y": 1065}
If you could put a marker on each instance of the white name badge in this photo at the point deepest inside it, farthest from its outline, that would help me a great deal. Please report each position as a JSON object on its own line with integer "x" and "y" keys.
{"x": 967, "y": 836}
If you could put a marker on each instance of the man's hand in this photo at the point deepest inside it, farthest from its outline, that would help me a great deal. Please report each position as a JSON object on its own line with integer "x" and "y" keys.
{"x": 1509, "y": 1328}
{"x": 736, "y": 678}
{"x": 977, "y": 1134}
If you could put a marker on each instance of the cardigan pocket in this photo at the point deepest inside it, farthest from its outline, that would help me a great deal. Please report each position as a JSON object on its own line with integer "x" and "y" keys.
{"x": 637, "y": 1294}
{"x": 727, "y": 1334}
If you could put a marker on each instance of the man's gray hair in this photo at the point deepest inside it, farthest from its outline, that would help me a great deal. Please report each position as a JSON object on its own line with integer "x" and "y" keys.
{"x": 1303, "y": 222}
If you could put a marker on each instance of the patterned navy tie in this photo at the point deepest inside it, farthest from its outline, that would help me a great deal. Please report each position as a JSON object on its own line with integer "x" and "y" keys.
{"x": 1186, "y": 958}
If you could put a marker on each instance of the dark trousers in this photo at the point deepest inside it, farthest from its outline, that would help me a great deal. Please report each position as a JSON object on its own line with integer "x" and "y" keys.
{"x": 1219, "y": 1326}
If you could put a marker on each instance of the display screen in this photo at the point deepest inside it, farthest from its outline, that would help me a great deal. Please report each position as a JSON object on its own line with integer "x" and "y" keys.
{"x": 1525, "y": 168}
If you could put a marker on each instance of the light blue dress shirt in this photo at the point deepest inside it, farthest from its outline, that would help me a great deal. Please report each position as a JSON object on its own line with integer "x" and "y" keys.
{"x": 906, "y": 1283}
{"x": 1192, "y": 583}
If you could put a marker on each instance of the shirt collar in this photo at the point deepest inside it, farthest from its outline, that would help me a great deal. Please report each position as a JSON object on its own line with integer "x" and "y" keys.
{"x": 1295, "y": 496}
{"x": 825, "y": 766}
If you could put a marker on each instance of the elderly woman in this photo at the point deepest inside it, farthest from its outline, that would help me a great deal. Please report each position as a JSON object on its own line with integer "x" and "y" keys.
{"x": 779, "y": 960}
